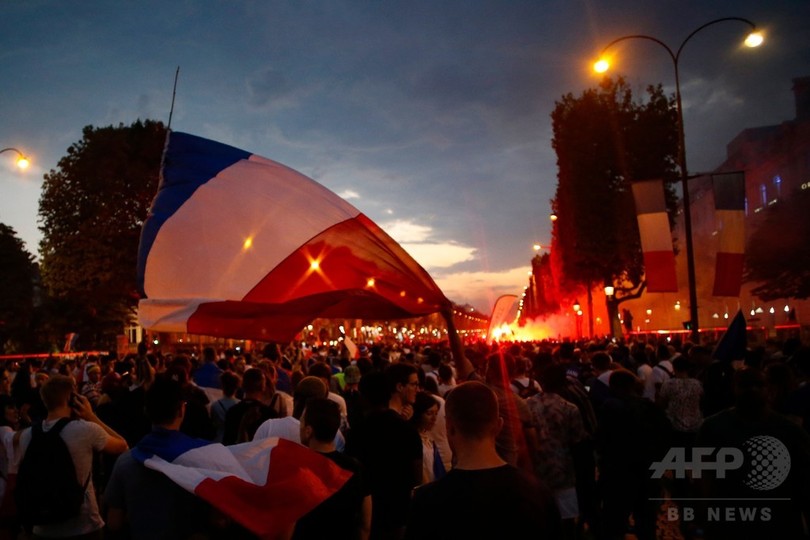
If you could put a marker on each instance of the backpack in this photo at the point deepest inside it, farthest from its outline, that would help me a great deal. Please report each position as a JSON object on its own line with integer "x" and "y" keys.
{"x": 47, "y": 489}
{"x": 253, "y": 416}
{"x": 527, "y": 390}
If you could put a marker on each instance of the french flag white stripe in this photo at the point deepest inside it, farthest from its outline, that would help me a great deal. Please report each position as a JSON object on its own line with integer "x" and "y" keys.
{"x": 246, "y": 201}
{"x": 248, "y": 461}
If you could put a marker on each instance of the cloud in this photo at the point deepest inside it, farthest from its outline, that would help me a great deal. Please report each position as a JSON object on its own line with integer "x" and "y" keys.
{"x": 702, "y": 95}
{"x": 440, "y": 255}
{"x": 404, "y": 231}
{"x": 269, "y": 87}
{"x": 349, "y": 194}
{"x": 481, "y": 289}
{"x": 418, "y": 241}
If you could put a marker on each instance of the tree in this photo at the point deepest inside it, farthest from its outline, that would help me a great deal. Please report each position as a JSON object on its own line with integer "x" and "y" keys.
{"x": 777, "y": 252}
{"x": 604, "y": 141}
{"x": 18, "y": 275}
{"x": 91, "y": 212}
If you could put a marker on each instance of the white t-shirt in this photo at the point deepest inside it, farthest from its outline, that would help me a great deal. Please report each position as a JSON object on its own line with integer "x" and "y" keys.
{"x": 525, "y": 381}
{"x": 644, "y": 372}
{"x": 439, "y": 435}
{"x": 82, "y": 439}
{"x": 661, "y": 372}
{"x": 344, "y": 411}
{"x": 288, "y": 401}
{"x": 289, "y": 428}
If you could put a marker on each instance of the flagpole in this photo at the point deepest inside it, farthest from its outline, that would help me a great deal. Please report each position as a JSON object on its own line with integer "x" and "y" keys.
{"x": 675, "y": 56}
{"x": 174, "y": 93}
{"x": 463, "y": 366}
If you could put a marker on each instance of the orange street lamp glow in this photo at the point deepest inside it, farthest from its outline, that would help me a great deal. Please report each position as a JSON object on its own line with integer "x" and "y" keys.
{"x": 370, "y": 282}
{"x": 754, "y": 39}
{"x": 22, "y": 160}
{"x": 248, "y": 242}
{"x": 601, "y": 66}
{"x": 315, "y": 265}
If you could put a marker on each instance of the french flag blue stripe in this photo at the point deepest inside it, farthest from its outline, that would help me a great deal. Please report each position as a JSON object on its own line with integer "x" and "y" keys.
{"x": 180, "y": 179}
{"x": 166, "y": 444}
{"x": 729, "y": 191}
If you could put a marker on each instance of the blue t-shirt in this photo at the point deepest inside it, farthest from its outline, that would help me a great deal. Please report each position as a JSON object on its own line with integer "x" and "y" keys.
{"x": 207, "y": 375}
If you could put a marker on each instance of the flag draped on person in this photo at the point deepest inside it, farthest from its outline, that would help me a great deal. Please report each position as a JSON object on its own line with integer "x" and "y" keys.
{"x": 237, "y": 245}
{"x": 656, "y": 239}
{"x": 729, "y": 204}
{"x": 264, "y": 485}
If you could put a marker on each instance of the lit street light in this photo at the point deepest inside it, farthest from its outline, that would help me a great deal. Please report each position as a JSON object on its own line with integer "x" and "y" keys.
{"x": 753, "y": 39}
{"x": 22, "y": 161}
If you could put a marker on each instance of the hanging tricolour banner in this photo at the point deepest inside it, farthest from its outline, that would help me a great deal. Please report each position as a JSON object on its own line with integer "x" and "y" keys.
{"x": 237, "y": 245}
{"x": 500, "y": 314}
{"x": 729, "y": 204}
{"x": 656, "y": 238}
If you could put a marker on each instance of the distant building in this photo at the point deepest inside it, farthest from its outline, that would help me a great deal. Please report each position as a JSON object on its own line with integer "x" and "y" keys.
{"x": 776, "y": 162}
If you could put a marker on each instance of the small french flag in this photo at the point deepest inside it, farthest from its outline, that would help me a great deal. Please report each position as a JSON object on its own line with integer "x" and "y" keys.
{"x": 264, "y": 485}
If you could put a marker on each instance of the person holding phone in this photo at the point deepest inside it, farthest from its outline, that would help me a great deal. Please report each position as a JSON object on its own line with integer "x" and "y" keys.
{"x": 83, "y": 434}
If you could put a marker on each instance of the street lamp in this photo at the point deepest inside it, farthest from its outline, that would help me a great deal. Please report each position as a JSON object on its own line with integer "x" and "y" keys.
{"x": 754, "y": 39}
{"x": 22, "y": 161}
{"x": 578, "y": 321}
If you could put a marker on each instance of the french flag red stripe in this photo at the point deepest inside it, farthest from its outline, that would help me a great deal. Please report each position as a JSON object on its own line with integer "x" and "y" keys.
{"x": 660, "y": 271}
{"x": 728, "y": 274}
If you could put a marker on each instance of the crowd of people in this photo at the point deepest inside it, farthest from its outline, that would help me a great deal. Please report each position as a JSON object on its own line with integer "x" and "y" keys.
{"x": 554, "y": 439}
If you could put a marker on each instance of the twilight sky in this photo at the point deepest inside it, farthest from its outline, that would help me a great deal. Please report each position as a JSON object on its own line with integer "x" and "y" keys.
{"x": 432, "y": 118}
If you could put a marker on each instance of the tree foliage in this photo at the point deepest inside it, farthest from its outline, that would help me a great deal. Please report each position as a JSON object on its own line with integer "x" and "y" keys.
{"x": 91, "y": 211}
{"x": 18, "y": 275}
{"x": 605, "y": 140}
{"x": 777, "y": 252}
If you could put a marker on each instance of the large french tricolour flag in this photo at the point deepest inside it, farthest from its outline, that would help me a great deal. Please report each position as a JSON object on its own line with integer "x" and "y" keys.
{"x": 264, "y": 485}
{"x": 240, "y": 246}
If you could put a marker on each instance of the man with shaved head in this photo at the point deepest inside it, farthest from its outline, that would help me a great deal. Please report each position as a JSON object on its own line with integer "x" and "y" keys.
{"x": 490, "y": 498}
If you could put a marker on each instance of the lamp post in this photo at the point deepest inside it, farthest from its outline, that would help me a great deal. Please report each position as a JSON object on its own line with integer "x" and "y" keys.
{"x": 22, "y": 161}
{"x": 754, "y": 39}
{"x": 612, "y": 310}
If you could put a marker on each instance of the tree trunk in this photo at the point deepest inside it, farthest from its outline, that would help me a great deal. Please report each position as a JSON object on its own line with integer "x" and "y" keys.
{"x": 613, "y": 318}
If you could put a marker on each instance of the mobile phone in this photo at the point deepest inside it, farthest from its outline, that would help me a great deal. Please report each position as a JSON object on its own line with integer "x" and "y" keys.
{"x": 74, "y": 400}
